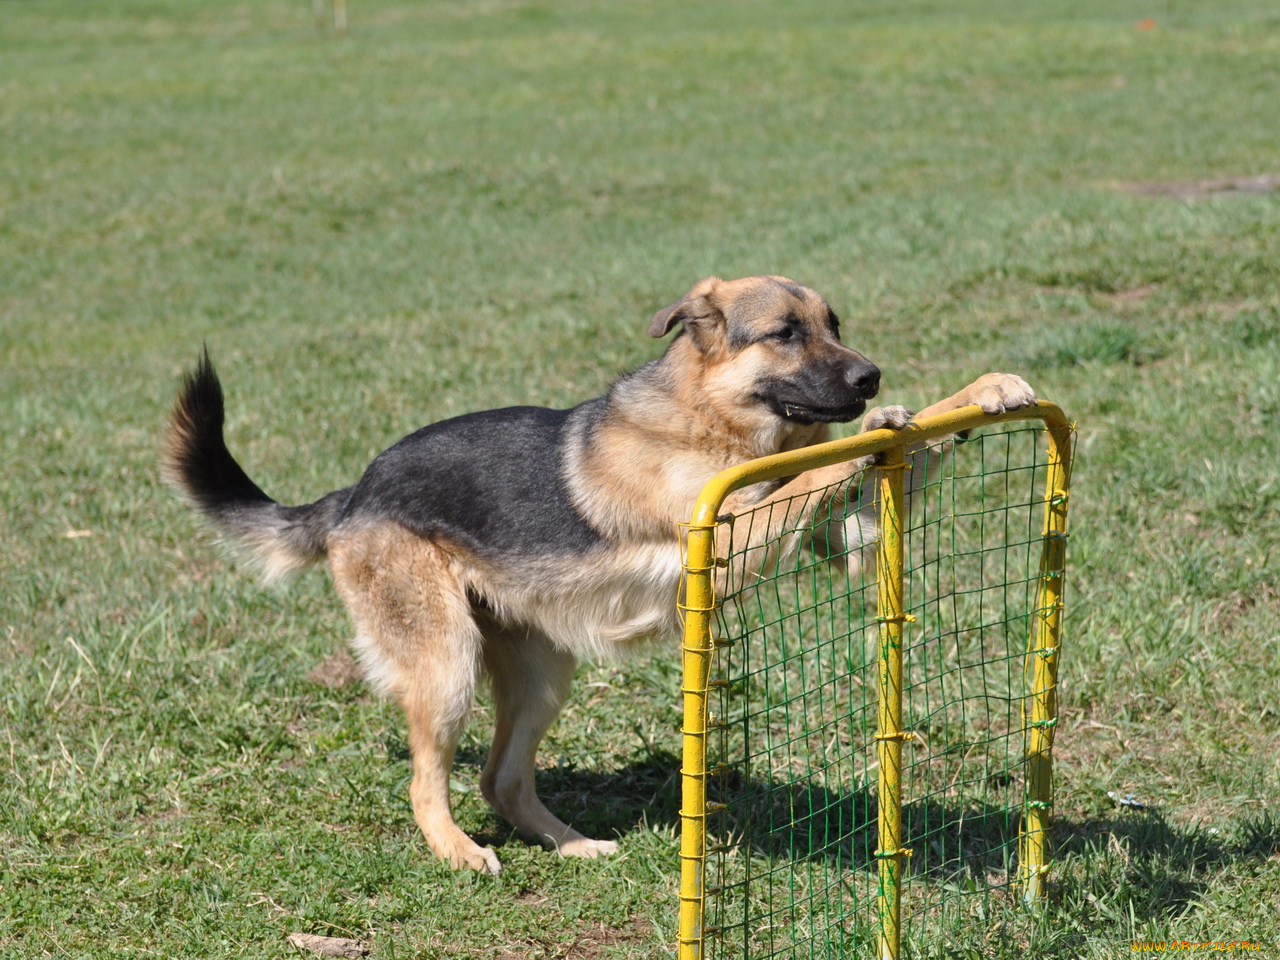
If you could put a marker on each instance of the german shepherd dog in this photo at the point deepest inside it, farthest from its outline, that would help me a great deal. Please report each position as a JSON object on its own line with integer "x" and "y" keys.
{"x": 513, "y": 543}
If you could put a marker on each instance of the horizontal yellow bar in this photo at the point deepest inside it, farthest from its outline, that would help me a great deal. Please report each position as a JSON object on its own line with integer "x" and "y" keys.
{"x": 792, "y": 462}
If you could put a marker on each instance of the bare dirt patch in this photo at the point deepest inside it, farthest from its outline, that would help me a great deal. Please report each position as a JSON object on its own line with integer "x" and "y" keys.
{"x": 593, "y": 942}
{"x": 337, "y": 670}
{"x": 328, "y": 946}
{"x": 1200, "y": 189}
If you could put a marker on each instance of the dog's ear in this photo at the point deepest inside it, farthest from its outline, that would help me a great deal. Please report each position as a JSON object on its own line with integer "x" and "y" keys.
{"x": 695, "y": 305}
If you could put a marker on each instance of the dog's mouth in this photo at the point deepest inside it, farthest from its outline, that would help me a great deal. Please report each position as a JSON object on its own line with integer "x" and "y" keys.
{"x": 824, "y": 393}
{"x": 804, "y": 413}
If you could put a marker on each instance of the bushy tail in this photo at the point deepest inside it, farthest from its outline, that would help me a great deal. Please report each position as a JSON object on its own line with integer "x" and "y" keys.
{"x": 283, "y": 540}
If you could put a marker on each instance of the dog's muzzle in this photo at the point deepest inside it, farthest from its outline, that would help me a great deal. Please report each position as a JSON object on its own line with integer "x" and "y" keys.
{"x": 835, "y": 394}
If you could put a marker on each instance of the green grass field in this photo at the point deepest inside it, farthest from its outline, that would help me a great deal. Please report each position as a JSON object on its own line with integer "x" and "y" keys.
{"x": 463, "y": 205}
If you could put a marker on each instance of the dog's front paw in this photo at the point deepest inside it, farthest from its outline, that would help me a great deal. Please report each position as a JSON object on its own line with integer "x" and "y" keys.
{"x": 891, "y": 418}
{"x": 1000, "y": 393}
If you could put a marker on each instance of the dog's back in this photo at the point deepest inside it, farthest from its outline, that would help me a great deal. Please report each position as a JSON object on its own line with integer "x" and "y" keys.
{"x": 492, "y": 482}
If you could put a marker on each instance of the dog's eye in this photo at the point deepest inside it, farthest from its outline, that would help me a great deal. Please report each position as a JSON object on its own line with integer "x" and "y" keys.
{"x": 786, "y": 333}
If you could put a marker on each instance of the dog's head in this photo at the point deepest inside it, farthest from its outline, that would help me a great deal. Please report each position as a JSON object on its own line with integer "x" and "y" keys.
{"x": 772, "y": 344}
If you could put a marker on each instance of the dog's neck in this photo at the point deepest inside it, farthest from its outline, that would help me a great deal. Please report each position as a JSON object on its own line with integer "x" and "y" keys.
{"x": 654, "y": 440}
{"x": 708, "y": 418}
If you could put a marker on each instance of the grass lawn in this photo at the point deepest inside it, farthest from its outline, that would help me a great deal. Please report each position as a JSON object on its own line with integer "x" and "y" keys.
{"x": 461, "y": 205}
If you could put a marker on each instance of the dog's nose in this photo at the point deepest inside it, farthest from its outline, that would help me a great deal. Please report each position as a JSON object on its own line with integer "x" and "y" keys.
{"x": 864, "y": 378}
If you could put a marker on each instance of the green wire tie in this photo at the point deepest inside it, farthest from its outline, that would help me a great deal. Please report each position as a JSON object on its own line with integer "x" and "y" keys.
{"x": 900, "y": 735}
{"x": 1056, "y": 607}
{"x": 897, "y": 618}
{"x": 893, "y": 854}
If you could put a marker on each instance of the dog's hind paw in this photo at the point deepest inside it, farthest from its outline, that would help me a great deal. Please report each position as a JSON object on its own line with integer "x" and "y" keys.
{"x": 471, "y": 856}
{"x": 587, "y": 848}
{"x": 484, "y": 860}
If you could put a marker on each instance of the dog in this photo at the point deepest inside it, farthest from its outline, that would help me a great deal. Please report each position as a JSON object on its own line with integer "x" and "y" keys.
{"x": 514, "y": 543}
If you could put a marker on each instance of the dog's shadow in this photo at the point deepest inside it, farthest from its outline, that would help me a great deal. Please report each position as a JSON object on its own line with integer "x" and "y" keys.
{"x": 781, "y": 820}
{"x": 964, "y": 844}
{"x": 605, "y": 804}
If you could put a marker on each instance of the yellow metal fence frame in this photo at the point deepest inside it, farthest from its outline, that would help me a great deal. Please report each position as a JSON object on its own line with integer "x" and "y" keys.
{"x": 698, "y": 606}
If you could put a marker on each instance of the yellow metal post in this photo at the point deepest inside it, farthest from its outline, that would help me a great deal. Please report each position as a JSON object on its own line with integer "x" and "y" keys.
{"x": 889, "y": 733}
{"x": 697, "y": 607}
{"x": 1042, "y": 652}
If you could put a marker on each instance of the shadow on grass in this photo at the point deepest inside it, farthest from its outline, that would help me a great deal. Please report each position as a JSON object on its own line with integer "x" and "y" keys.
{"x": 604, "y": 804}
{"x": 957, "y": 841}
{"x": 1158, "y": 868}
{"x": 785, "y": 821}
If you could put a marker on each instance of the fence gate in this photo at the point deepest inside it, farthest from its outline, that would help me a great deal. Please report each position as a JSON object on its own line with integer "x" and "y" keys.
{"x": 868, "y": 728}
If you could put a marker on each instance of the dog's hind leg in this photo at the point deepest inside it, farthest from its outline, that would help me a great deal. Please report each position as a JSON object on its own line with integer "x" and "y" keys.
{"x": 419, "y": 642}
{"x": 437, "y": 717}
{"x": 530, "y": 683}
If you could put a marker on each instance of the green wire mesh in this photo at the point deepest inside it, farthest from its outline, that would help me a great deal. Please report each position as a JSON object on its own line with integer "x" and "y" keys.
{"x": 791, "y": 867}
